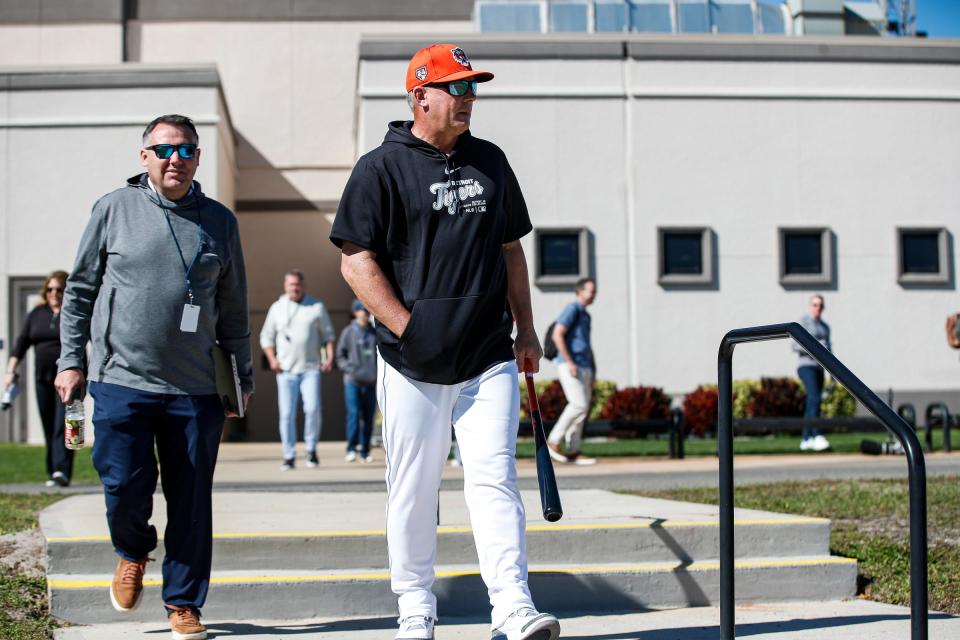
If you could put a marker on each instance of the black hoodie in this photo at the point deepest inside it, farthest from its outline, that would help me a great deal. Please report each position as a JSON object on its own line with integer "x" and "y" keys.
{"x": 437, "y": 225}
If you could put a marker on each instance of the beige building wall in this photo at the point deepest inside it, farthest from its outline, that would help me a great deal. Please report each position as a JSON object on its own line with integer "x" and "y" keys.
{"x": 288, "y": 85}
{"x": 68, "y": 139}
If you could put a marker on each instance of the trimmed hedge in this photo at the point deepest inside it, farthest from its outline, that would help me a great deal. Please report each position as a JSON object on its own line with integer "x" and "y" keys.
{"x": 767, "y": 397}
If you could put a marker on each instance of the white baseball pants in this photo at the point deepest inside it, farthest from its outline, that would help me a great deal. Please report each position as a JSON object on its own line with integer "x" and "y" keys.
{"x": 416, "y": 436}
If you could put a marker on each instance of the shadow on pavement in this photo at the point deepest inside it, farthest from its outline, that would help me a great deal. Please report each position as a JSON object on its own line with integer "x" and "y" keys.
{"x": 756, "y": 628}
{"x": 293, "y": 628}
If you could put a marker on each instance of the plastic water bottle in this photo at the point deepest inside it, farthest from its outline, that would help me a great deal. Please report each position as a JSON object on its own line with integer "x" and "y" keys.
{"x": 74, "y": 425}
{"x": 9, "y": 395}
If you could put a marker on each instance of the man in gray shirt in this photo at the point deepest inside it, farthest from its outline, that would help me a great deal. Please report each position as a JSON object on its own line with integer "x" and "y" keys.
{"x": 158, "y": 281}
{"x": 811, "y": 374}
{"x": 297, "y": 338}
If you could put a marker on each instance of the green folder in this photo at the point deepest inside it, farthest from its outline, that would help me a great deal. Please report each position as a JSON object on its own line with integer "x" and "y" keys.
{"x": 228, "y": 380}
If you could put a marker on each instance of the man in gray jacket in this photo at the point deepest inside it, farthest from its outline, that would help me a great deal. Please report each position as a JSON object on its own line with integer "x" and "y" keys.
{"x": 158, "y": 280}
{"x": 357, "y": 358}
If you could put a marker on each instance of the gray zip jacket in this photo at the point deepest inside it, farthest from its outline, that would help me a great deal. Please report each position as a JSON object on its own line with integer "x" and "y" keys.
{"x": 357, "y": 354}
{"x": 127, "y": 290}
{"x": 819, "y": 330}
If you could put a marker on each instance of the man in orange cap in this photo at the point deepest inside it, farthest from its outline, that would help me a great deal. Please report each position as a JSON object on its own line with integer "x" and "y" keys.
{"x": 429, "y": 227}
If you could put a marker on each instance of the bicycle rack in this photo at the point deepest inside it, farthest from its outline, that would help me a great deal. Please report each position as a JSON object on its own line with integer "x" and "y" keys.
{"x": 932, "y": 409}
{"x": 906, "y": 435}
{"x": 677, "y": 435}
{"x": 908, "y": 413}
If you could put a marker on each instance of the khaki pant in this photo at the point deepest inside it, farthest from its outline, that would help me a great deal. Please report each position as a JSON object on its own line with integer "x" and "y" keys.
{"x": 578, "y": 390}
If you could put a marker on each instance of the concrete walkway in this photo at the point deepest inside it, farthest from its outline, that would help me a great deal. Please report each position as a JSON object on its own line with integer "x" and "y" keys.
{"x": 247, "y": 474}
{"x": 256, "y": 467}
{"x": 782, "y": 621}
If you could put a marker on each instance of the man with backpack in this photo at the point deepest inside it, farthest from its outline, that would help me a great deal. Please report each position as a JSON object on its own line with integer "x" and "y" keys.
{"x": 575, "y": 365}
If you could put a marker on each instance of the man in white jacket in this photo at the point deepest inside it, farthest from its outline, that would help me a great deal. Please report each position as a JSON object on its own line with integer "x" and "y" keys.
{"x": 298, "y": 338}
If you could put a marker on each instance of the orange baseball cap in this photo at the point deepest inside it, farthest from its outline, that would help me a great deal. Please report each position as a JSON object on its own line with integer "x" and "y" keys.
{"x": 442, "y": 63}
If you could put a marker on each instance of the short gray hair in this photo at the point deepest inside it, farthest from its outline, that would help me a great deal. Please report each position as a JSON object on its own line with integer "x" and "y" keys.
{"x": 173, "y": 119}
{"x": 410, "y": 100}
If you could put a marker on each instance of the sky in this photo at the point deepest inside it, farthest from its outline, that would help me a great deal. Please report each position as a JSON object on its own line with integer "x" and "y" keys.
{"x": 939, "y": 18}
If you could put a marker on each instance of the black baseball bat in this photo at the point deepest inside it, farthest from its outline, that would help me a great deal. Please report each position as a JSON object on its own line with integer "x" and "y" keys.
{"x": 549, "y": 494}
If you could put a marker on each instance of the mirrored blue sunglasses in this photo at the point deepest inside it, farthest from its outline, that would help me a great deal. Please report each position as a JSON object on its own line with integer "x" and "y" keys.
{"x": 165, "y": 151}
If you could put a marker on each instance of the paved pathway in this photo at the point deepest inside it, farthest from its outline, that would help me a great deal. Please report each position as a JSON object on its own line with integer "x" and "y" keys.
{"x": 782, "y": 621}
{"x": 256, "y": 466}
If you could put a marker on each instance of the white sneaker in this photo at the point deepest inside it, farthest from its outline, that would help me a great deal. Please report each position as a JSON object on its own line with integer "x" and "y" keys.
{"x": 580, "y": 459}
{"x": 351, "y": 456}
{"x": 368, "y": 459}
{"x": 415, "y": 628}
{"x": 820, "y": 444}
{"x": 806, "y": 444}
{"x": 527, "y": 624}
{"x": 50, "y": 483}
{"x": 556, "y": 454}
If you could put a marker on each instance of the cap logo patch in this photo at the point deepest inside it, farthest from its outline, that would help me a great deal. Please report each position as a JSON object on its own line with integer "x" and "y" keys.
{"x": 460, "y": 56}
{"x": 421, "y": 73}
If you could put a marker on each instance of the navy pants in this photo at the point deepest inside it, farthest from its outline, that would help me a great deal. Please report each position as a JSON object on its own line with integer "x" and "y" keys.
{"x": 812, "y": 377}
{"x": 185, "y": 431}
{"x": 361, "y": 401}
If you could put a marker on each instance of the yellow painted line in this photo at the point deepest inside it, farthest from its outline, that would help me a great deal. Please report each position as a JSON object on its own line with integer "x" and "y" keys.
{"x": 450, "y": 530}
{"x": 352, "y": 577}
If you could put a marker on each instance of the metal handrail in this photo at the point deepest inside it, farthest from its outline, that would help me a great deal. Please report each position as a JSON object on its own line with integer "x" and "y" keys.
{"x": 932, "y": 408}
{"x": 907, "y": 437}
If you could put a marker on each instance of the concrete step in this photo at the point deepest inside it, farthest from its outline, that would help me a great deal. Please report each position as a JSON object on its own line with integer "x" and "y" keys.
{"x": 593, "y": 588}
{"x": 316, "y": 532}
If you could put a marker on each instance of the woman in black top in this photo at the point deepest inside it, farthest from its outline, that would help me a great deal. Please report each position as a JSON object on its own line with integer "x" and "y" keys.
{"x": 41, "y": 330}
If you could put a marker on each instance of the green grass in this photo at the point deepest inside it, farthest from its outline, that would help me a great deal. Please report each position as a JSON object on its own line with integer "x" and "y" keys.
{"x": 23, "y": 607}
{"x": 25, "y": 464}
{"x": 24, "y": 611}
{"x": 757, "y": 445}
{"x": 870, "y": 523}
{"x": 18, "y": 511}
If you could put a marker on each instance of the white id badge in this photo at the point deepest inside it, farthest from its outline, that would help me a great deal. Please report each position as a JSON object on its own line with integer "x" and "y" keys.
{"x": 191, "y": 318}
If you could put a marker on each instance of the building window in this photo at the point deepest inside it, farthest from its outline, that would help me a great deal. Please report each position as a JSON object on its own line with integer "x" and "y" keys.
{"x": 694, "y": 16}
{"x": 561, "y": 256}
{"x": 923, "y": 256}
{"x": 642, "y": 16}
{"x": 806, "y": 257}
{"x": 510, "y": 17}
{"x": 651, "y": 16}
{"x": 685, "y": 256}
{"x": 773, "y": 17}
{"x": 611, "y": 16}
{"x": 732, "y": 16}
{"x": 569, "y": 16}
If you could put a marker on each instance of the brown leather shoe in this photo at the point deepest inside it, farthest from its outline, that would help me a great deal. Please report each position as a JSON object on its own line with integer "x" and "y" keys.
{"x": 185, "y": 623}
{"x": 127, "y": 587}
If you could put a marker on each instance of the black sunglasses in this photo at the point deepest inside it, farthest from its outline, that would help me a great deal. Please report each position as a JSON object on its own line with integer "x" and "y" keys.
{"x": 165, "y": 151}
{"x": 458, "y": 88}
